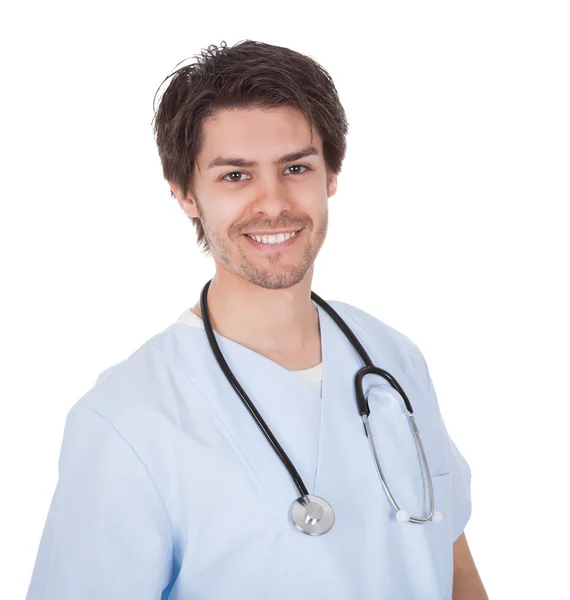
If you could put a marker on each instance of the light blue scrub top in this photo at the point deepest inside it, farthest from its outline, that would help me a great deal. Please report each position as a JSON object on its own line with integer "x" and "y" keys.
{"x": 168, "y": 489}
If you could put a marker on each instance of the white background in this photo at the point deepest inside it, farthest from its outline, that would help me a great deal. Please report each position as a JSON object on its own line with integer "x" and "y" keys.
{"x": 450, "y": 224}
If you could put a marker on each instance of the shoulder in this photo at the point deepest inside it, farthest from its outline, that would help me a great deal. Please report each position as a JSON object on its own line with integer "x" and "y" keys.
{"x": 127, "y": 391}
{"x": 386, "y": 338}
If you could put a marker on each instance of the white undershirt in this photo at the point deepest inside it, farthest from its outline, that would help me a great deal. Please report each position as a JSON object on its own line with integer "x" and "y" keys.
{"x": 312, "y": 376}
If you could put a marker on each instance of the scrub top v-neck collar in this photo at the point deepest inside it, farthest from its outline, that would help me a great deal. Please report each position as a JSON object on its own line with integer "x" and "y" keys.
{"x": 291, "y": 408}
{"x": 311, "y": 376}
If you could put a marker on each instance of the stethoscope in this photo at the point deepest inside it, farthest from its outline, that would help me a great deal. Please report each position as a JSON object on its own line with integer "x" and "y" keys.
{"x": 311, "y": 514}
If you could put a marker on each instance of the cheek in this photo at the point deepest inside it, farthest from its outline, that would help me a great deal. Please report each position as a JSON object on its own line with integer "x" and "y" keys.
{"x": 221, "y": 212}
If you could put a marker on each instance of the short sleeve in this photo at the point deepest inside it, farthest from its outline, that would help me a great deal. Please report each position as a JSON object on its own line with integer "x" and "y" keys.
{"x": 459, "y": 470}
{"x": 460, "y": 474}
{"x": 107, "y": 533}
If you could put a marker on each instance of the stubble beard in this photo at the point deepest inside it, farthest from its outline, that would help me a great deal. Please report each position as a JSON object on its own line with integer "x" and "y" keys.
{"x": 285, "y": 276}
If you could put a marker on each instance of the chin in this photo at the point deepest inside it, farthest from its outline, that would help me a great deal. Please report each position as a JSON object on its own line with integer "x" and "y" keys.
{"x": 276, "y": 280}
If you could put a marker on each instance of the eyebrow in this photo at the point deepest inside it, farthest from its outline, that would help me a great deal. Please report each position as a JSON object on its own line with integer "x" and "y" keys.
{"x": 222, "y": 161}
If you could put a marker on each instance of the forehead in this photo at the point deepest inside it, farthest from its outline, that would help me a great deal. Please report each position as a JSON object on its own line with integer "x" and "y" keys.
{"x": 256, "y": 134}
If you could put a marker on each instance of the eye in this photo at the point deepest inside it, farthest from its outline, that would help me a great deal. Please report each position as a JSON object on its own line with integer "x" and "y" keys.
{"x": 239, "y": 173}
{"x": 232, "y": 180}
{"x": 307, "y": 168}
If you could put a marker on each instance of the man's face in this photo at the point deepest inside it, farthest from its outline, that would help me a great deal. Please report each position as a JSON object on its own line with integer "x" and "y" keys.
{"x": 262, "y": 199}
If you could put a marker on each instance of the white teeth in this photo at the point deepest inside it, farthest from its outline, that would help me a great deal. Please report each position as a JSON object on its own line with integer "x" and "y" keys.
{"x": 273, "y": 239}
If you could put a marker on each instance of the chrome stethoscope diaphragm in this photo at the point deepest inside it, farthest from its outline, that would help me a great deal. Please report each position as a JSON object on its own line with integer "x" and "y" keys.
{"x": 312, "y": 515}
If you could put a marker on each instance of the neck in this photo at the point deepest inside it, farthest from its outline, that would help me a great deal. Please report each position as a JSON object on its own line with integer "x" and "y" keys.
{"x": 282, "y": 325}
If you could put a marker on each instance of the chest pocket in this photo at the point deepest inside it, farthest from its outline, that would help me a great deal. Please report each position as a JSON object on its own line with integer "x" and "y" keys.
{"x": 395, "y": 443}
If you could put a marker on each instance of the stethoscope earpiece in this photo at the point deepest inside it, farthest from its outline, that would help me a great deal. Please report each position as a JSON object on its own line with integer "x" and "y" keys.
{"x": 402, "y": 516}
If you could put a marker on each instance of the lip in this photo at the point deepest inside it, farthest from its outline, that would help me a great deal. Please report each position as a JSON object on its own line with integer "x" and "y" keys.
{"x": 270, "y": 247}
{"x": 260, "y": 233}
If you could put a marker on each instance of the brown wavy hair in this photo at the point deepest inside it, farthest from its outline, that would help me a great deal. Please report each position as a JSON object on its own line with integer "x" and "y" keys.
{"x": 247, "y": 75}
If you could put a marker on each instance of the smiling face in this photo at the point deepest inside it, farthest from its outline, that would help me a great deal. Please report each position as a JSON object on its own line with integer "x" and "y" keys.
{"x": 261, "y": 173}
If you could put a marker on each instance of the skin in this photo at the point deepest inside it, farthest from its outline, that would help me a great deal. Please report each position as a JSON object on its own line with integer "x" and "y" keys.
{"x": 261, "y": 299}
{"x": 467, "y": 584}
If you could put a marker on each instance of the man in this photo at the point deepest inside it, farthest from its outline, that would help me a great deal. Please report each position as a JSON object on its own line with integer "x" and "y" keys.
{"x": 170, "y": 486}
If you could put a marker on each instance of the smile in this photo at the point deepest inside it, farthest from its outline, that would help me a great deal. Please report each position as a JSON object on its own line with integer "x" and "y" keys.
{"x": 280, "y": 240}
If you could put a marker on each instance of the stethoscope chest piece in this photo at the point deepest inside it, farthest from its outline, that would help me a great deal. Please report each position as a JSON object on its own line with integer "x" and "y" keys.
{"x": 312, "y": 515}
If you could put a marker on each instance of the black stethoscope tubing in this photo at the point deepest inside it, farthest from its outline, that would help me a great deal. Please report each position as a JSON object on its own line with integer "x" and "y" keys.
{"x": 361, "y": 401}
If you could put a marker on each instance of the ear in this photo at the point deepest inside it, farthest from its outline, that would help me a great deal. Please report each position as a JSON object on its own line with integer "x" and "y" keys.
{"x": 332, "y": 183}
{"x": 187, "y": 204}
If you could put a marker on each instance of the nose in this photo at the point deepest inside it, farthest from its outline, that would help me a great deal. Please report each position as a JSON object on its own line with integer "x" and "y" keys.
{"x": 271, "y": 197}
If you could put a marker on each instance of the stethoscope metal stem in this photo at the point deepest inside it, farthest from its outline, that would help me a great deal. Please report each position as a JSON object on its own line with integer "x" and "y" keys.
{"x": 403, "y": 515}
